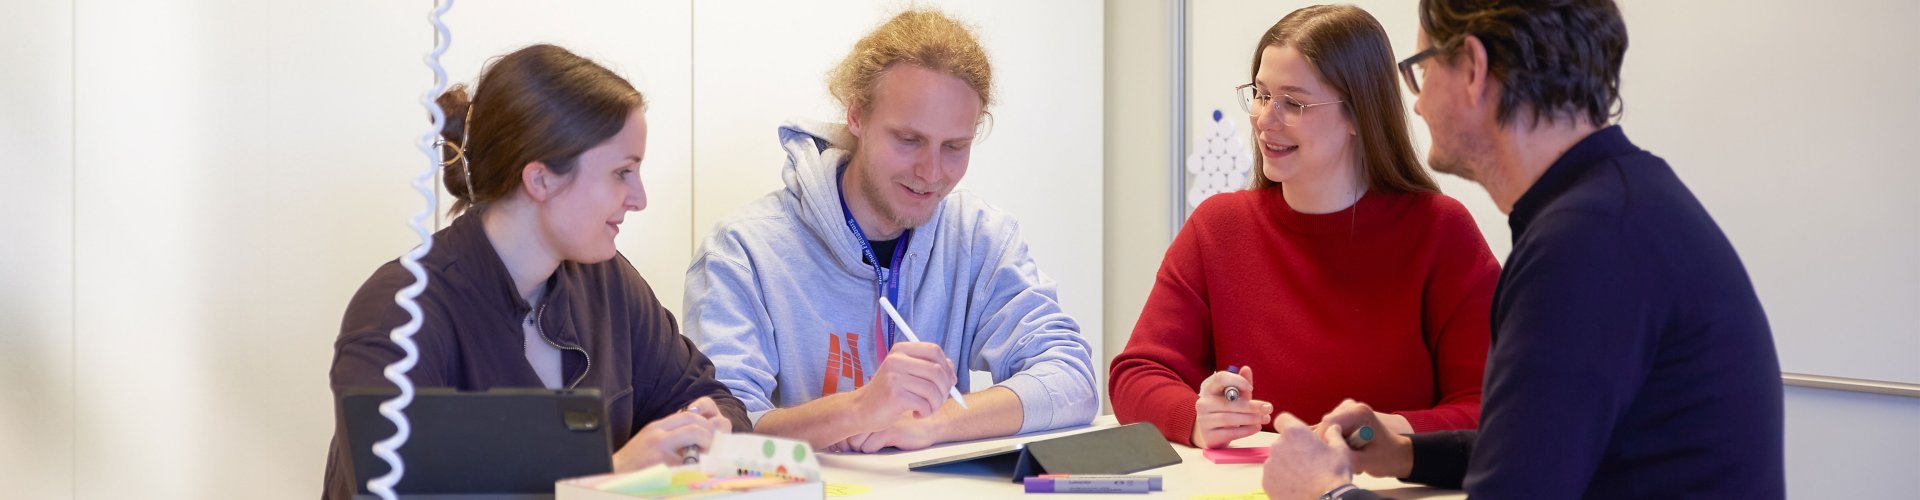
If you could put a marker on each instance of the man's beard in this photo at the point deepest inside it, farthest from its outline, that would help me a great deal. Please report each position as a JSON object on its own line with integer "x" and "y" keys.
{"x": 1455, "y": 161}
{"x": 876, "y": 193}
{"x": 1451, "y": 166}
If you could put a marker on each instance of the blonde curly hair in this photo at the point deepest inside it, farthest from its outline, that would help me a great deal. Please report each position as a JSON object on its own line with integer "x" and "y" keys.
{"x": 922, "y": 37}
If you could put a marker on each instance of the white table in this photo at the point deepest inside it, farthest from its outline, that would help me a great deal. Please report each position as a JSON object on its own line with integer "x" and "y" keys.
{"x": 886, "y": 475}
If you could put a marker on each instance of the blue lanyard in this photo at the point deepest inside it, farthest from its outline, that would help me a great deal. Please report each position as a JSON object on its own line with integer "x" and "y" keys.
{"x": 886, "y": 280}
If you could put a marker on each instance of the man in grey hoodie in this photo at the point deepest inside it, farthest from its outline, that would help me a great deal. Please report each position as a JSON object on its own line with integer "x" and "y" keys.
{"x": 783, "y": 296}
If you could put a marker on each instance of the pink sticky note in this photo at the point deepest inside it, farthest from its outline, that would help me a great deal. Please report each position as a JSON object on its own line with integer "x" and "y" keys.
{"x": 1253, "y": 455}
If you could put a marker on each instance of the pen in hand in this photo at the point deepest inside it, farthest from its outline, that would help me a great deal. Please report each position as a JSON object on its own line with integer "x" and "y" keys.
{"x": 908, "y": 331}
{"x": 691, "y": 453}
{"x": 1233, "y": 393}
{"x": 1360, "y": 437}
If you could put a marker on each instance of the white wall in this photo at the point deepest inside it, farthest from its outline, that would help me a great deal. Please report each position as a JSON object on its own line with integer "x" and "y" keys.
{"x": 240, "y": 169}
{"x": 342, "y": 115}
{"x": 1850, "y": 445}
{"x": 36, "y": 251}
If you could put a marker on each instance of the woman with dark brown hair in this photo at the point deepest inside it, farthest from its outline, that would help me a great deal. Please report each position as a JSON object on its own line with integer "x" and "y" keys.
{"x": 525, "y": 287}
{"x": 1341, "y": 273}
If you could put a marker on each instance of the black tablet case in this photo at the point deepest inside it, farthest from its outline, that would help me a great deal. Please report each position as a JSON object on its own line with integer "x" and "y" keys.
{"x": 1120, "y": 450}
{"x": 499, "y": 441}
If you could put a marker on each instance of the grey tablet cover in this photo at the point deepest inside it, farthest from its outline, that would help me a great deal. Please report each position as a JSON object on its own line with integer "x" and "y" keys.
{"x": 1120, "y": 450}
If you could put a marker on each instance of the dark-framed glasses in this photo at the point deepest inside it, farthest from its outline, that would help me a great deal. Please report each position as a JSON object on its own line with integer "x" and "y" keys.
{"x": 1413, "y": 72}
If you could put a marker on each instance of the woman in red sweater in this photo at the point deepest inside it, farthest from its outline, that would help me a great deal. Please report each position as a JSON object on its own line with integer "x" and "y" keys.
{"x": 1342, "y": 273}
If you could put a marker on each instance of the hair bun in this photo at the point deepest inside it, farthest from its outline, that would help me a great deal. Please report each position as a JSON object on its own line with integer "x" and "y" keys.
{"x": 456, "y": 104}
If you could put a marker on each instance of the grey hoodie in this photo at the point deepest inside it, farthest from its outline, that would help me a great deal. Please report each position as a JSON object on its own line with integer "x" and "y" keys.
{"x": 779, "y": 292}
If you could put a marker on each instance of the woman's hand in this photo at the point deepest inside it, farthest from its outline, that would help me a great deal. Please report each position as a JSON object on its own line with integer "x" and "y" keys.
{"x": 1217, "y": 421}
{"x": 661, "y": 441}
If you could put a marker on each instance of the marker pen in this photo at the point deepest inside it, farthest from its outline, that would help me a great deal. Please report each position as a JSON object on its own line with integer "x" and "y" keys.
{"x": 1233, "y": 393}
{"x": 908, "y": 332}
{"x": 691, "y": 454}
{"x": 1360, "y": 437}
{"x": 1068, "y": 483}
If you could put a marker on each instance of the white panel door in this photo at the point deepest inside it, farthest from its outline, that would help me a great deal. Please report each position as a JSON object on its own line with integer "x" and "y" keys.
{"x": 343, "y": 83}
{"x": 36, "y": 251}
{"x": 173, "y": 184}
{"x": 240, "y": 168}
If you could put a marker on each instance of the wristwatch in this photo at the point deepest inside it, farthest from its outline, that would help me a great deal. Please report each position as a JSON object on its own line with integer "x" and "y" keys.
{"x": 1339, "y": 492}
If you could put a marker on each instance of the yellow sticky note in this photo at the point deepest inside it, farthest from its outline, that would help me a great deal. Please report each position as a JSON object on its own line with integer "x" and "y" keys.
{"x": 846, "y": 490}
{"x": 688, "y": 477}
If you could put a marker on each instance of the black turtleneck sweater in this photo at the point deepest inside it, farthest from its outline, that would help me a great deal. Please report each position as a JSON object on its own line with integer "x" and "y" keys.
{"x": 1630, "y": 356}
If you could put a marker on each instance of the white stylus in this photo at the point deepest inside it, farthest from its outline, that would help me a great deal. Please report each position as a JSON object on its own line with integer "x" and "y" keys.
{"x": 908, "y": 331}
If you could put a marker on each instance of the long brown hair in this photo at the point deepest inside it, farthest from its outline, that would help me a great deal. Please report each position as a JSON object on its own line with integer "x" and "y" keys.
{"x": 540, "y": 103}
{"x": 1350, "y": 50}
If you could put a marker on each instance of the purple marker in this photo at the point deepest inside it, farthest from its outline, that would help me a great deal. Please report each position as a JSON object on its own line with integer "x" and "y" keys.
{"x": 1233, "y": 393}
{"x": 1067, "y": 483}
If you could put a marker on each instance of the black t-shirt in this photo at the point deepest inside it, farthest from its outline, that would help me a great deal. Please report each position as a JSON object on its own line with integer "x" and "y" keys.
{"x": 883, "y": 250}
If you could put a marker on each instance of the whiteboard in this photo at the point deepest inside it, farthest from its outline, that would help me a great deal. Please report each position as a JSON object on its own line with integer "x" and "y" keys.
{"x": 1786, "y": 120}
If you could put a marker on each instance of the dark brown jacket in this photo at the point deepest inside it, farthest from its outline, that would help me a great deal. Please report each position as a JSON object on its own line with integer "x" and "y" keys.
{"x": 613, "y": 333}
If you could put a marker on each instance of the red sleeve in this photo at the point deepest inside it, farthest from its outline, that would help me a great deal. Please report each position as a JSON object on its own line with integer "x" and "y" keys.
{"x": 1156, "y": 378}
{"x": 1456, "y": 315}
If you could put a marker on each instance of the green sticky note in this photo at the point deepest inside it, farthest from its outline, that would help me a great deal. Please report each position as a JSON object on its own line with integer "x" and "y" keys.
{"x": 657, "y": 477}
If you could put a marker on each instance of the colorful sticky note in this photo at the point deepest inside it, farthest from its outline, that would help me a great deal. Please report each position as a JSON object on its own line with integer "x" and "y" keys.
{"x": 1252, "y": 455}
{"x": 846, "y": 490}
{"x": 737, "y": 454}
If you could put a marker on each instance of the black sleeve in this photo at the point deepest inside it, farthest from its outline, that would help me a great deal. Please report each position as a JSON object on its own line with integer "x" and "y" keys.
{"x": 671, "y": 365}
{"x": 1577, "y": 337}
{"x": 363, "y": 350}
{"x": 1440, "y": 458}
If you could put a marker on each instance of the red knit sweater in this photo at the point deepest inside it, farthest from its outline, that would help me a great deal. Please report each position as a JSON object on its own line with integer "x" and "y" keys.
{"x": 1386, "y": 302}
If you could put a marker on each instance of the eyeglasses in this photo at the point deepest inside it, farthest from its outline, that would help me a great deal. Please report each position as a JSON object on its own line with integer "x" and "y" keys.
{"x": 1256, "y": 103}
{"x": 1411, "y": 70}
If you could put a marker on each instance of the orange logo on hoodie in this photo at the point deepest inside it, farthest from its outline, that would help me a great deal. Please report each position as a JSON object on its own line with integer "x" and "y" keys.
{"x": 842, "y": 362}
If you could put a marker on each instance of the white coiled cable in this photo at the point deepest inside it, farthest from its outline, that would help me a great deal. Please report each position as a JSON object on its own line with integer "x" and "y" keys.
{"x": 395, "y": 409}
